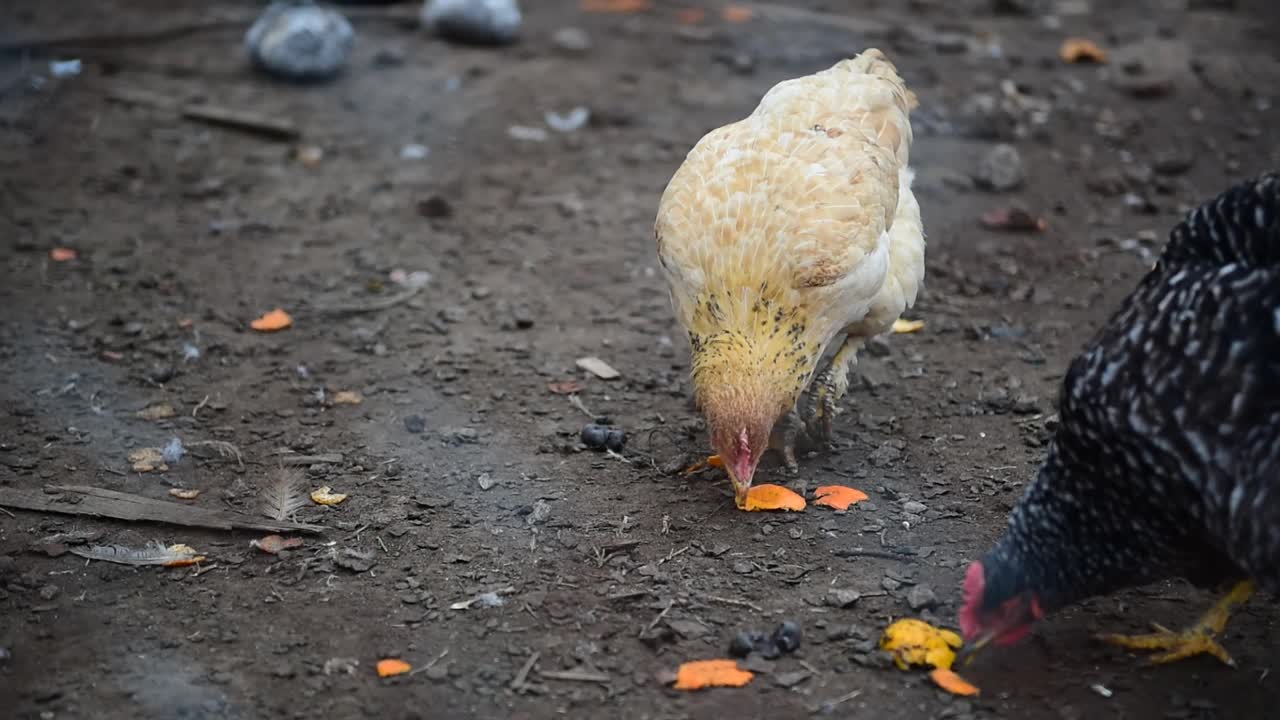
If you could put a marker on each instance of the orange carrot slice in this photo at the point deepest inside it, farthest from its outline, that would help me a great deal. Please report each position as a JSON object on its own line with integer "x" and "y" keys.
{"x": 951, "y": 682}
{"x": 838, "y": 497}
{"x": 773, "y": 497}
{"x": 700, "y": 674}
{"x": 391, "y": 667}
{"x": 275, "y": 320}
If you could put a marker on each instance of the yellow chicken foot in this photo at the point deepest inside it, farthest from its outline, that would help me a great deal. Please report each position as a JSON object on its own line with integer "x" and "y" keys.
{"x": 1199, "y": 638}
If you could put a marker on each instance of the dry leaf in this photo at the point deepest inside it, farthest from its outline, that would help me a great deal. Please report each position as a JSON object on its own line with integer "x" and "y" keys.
{"x": 275, "y": 320}
{"x": 283, "y": 496}
{"x": 951, "y": 682}
{"x": 147, "y": 459}
{"x": 901, "y": 326}
{"x": 154, "y": 553}
{"x": 159, "y": 411}
{"x": 63, "y": 254}
{"x": 1013, "y": 220}
{"x": 391, "y": 667}
{"x": 326, "y": 496}
{"x": 916, "y": 642}
{"x": 347, "y": 397}
{"x": 598, "y": 367}
{"x": 185, "y": 493}
{"x": 711, "y": 673}
{"x": 736, "y": 13}
{"x": 1080, "y": 50}
{"x": 275, "y": 543}
{"x": 568, "y": 387}
{"x": 838, "y": 496}
{"x": 616, "y": 6}
{"x": 690, "y": 16}
{"x": 773, "y": 497}
{"x": 711, "y": 461}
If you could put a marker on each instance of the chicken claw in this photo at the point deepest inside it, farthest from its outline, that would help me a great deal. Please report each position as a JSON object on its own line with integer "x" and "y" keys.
{"x": 1198, "y": 639}
{"x": 831, "y": 386}
{"x": 790, "y": 427}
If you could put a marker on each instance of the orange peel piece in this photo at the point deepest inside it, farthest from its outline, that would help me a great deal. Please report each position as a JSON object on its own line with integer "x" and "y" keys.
{"x": 63, "y": 254}
{"x": 950, "y": 681}
{"x": 1081, "y": 50}
{"x": 275, "y": 320}
{"x": 773, "y": 497}
{"x": 736, "y": 14}
{"x": 700, "y": 674}
{"x": 390, "y": 667}
{"x": 711, "y": 461}
{"x": 616, "y": 6}
{"x": 838, "y": 497}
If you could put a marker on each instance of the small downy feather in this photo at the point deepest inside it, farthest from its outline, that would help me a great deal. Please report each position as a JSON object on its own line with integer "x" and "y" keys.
{"x": 283, "y": 495}
{"x": 155, "y": 553}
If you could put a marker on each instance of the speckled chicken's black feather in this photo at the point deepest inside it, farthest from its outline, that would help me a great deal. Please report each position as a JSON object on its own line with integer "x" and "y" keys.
{"x": 1166, "y": 461}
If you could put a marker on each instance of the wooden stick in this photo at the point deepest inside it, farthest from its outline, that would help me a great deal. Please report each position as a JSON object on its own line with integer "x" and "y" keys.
{"x": 100, "y": 502}
{"x": 271, "y": 128}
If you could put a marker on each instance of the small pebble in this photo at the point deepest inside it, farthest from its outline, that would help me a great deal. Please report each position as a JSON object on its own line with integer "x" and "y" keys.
{"x": 842, "y": 597}
{"x": 921, "y": 597}
{"x": 415, "y": 424}
{"x": 300, "y": 41}
{"x": 479, "y": 22}
{"x": 1000, "y": 170}
{"x": 572, "y": 40}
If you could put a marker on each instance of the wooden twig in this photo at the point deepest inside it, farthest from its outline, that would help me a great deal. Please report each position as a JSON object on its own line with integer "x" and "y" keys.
{"x": 574, "y": 676}
{"x": 731, "y": 601}
{"x": 271, "y": 128}
{"x": 375, "y": 306}
{"x": 100, "y": 502}
{"x": 180, "y": 30}
{"x": 523, "y": 675}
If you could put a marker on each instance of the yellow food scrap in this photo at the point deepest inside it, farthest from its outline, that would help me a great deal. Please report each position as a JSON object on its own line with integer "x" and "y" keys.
{"x": 160, "y": 411}
{"x": 902, "y": 327}
{"x": 147, "y": 459}
{"x": 347, "y": 397}
{"x": 916, "y": 642}
{"x": 183, "y": 555}
{"x": 185, "y": 493}
{"x": 326, "y": 496}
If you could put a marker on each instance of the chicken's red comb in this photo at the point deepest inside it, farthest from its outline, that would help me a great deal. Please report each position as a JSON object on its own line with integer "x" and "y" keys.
{"x": 975, "y": 581}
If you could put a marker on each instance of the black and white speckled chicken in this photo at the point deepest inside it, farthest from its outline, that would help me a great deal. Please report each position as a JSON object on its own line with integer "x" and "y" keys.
{"x": 1166, "y": 461}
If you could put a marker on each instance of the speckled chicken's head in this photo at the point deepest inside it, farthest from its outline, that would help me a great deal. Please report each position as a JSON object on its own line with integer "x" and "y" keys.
{"x": 742, "y": 397}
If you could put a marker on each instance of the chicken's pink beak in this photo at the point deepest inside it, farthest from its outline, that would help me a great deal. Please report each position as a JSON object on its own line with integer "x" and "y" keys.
{"x": 742, "y": 470}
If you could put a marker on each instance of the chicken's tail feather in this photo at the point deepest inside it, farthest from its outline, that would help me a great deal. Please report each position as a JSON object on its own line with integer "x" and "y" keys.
{"x": 1242, "y": 225}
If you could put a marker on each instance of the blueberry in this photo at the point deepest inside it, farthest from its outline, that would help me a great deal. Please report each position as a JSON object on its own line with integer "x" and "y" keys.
{"x": 787, "y": 636}
{"x": 743, "y": 643}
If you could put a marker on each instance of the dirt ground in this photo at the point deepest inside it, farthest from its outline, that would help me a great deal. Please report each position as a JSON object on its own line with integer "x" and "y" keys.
{"x": 540, "y": 252}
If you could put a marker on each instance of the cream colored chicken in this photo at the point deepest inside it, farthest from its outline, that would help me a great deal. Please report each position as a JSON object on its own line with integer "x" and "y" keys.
{"x": 783, "y": 235}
